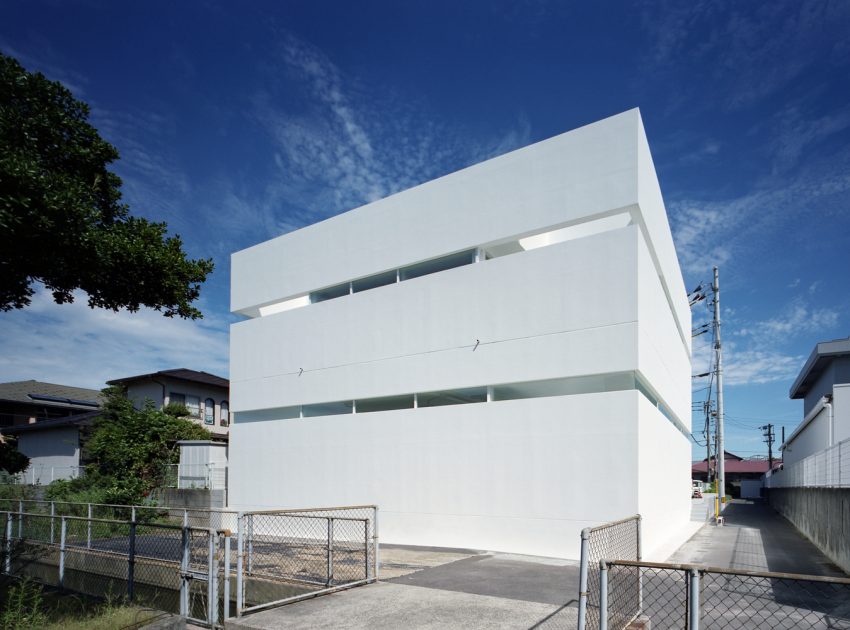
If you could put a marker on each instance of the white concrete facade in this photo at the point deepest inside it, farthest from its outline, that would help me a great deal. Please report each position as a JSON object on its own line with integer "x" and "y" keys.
{"x": 569, "y": 327}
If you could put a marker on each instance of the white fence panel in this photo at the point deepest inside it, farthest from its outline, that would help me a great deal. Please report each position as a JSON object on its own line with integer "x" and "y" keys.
{"x": 829, "y": 468}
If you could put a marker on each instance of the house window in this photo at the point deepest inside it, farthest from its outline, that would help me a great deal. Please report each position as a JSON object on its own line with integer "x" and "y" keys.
{"x": 176, "y": 399}
{"x": 209, "y": 411}
{"x": 225, "y": 413}
{"x": 193, "y": 404}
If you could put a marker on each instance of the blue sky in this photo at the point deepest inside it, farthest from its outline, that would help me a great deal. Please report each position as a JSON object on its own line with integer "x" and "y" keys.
{"x": 237, "y": 123}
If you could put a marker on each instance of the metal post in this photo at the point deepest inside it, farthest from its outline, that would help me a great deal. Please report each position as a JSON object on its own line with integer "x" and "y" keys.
{"x": 582, "y": 580}
{"x": 133, "y": 513}
{"x": 212, "y": 579}
{"x": 603, "y": 596}
{"x": 20, "y": 520}
{"x": 250, "y": 532}
{"x": 184, "y": 572}
{"x": 330, "y": 550}
{"x": 366, "y": 548}
{"x": 131, "y": 562}
{"x": 185, "y": 518}
{"x": 52, "y": 519}
{"x": 88, "y": 529}
{"x": 8, "y": 543}
{"x": 377, "y": 547}
{"x": 639, "y": 558}
{"x": 693, "y": 599}
{"x": 240, "y": 593}
{"x": 226, "y": 575}
{"x": 62, "y": 532}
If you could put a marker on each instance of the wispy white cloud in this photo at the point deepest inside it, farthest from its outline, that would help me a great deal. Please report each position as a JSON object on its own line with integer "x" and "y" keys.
{"x": 750, "y": 51}
{"x": 713, "y": 231}
{"x": 758, "y": 352}
{"x": 348, "y": 147}
{"x": 798, "y": 318}
{"x": 49, "y": 63}
{"x": 76, "y": 345}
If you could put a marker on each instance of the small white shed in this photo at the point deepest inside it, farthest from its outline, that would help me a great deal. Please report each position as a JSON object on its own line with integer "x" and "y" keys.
{"x": 203, "y": 464}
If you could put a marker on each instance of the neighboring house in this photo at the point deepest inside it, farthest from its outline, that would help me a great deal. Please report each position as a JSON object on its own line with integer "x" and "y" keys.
{"x": 737, "y": 469}
{"x": 53, "y": 446}
{"x": 206, "y": 396}
{"x": 25, "y": 402}
{"x": 497, "y": 358}
{"x": 824, "y": 386}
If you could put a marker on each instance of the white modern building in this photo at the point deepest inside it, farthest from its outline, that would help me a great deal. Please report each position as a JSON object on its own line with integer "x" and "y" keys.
{"x": 498, "y": 358}
{"x": 824, "y": 386}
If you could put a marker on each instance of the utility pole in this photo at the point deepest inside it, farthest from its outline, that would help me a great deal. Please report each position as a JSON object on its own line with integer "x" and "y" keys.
{"x": 768, "y": 438}
{"x": 721, "y": 453}
{"x": 707, "y": 442}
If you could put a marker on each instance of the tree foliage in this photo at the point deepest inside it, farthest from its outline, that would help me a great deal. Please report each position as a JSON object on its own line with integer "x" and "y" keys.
{"x": 62, "y": 222}
{"x": 11, "y": 459}
{"x": 130, "y": 449}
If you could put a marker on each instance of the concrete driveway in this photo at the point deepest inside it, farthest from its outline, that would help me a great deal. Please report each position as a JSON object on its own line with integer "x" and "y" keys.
{"x": 470, "y": 590}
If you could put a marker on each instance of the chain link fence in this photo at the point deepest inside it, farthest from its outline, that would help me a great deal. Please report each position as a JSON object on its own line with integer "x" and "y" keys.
{"x": 285, "y": 556}
{"x": 668, "y": 596}
{"x": 618, "y": 539}
{"x": 158, "y": 557}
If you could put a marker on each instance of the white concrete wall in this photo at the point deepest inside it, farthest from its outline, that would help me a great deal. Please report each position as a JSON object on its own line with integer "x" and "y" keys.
{"x": 812, "y": 439}
{"x": 418, "y": 335}
{"x": 663, "y": 481}
{"x": 57, "y": 449}
{"x": 502, "y": 476}
{"x": 518, "y": 475}
{"x": 664, "y": 360}
{"x": 841, "y": 409}
{"x": 592, "y": 171}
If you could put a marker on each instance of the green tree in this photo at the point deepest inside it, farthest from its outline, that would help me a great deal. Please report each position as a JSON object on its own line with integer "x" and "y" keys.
{"x": 62, "y": 222}
{"x": 11, "y": 459}
{"x": 131, "y": 449}
{"x": 135, "y": 446}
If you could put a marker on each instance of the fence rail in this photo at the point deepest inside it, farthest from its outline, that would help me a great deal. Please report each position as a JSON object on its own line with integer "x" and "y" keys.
{"x": 668, "y": 596}
{"x": 43, "y": 475}
{"x": 829, "y": 468}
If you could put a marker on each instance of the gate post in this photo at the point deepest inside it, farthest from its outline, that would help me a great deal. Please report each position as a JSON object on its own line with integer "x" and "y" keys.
{"x": 603, "y": 595}
{"x": 131, "y": 563}
{"x": 63, "y": 528}
{"x": 330, "y": 550}
{"x": 582, "y": 580}
{"x": 8, "y": 566}
{"x": 212, "y": 578}
{"x": 184, "y": 572}
{"x": 693, "y": 599}
{"x": 377, "y": 547}
{"x": 88, "y": 529}
{"x": 226, "y": 575}
{"x": 240, "y": 544}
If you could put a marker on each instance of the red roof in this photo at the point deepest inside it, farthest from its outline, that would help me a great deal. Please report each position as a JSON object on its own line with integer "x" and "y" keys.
{"x": 740, "y": 465}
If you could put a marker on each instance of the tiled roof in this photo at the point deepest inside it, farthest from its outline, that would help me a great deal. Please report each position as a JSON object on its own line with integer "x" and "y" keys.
{"x": 183, "y": 374}
{"x": 81, "y": 419}
{"x": 59, "y": 395}
{"x": 740, "y": 466}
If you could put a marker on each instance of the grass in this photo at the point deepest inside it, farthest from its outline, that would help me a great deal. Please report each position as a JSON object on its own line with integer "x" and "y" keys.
{"x": 27, "y": 605}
